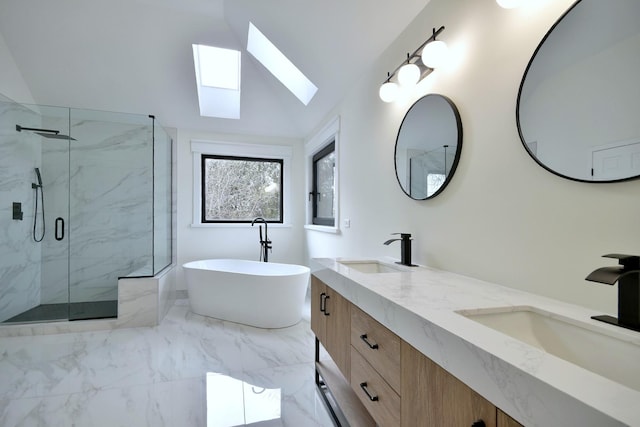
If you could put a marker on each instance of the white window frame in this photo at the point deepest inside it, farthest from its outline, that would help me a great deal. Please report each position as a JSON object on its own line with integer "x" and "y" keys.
{"x": 222, "y": 148}
{"x": 330, "y": 132}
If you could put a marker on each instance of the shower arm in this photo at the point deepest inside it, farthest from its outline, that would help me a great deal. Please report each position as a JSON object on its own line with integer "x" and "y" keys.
{"x": 21, "y": 128}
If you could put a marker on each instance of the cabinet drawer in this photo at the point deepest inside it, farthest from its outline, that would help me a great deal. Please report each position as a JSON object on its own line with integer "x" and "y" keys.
{"x": 382, "y": 402}
{"x": 378, "y": 345}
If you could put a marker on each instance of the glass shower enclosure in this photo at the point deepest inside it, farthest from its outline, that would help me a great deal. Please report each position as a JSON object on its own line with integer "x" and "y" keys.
{"x": 85, "y": 199}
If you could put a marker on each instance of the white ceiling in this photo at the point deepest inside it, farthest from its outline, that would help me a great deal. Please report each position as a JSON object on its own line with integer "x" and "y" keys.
{"x": 135, "y": 56}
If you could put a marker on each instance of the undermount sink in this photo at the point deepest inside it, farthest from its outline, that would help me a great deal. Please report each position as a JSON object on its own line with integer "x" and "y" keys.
{"x": 367, "y": 266}
{"x": 599, "y": 350}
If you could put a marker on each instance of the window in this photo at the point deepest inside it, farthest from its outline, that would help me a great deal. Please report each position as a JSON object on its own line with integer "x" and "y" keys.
{"x": 217, "y": 81}
{"x": 322, "y": 153}
{"x": 322, "y": 194}
{"x": 279, "y": 65}
{"x": 258, "y": 155}
{"x": 239, "y": 189}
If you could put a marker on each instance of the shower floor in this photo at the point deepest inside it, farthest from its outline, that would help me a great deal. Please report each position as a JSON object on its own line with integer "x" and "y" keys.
{"x": 73, "y": 311}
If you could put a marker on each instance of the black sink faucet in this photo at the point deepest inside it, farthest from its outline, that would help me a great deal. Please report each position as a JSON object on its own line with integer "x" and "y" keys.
{"x": 405, "y": 248}
{"x": 627, "y": 274}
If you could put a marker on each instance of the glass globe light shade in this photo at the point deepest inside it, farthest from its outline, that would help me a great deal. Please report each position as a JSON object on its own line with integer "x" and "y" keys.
{"x": 435, "y": 54}
{"x": 409, "y": 75}
{"x": 509, "y": 4}
{"x": 388, "y": 92}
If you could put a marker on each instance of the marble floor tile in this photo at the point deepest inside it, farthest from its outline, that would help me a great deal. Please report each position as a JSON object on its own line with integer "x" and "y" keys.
{"x": 157, "y": 376}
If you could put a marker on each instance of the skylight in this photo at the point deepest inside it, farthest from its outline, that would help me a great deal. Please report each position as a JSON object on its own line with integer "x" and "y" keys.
{"x": 279, "y": 65}
{"x": 218, "y": 81}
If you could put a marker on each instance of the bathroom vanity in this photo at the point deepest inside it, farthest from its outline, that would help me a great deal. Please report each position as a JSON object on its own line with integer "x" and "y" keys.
{"x": 413, "y": 347}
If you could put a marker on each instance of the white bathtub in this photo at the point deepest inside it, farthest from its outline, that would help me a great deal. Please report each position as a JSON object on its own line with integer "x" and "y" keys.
{"x": 266, "y": 295}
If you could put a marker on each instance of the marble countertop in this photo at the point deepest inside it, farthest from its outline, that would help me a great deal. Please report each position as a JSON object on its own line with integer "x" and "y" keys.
{"x": 534, "y": 387}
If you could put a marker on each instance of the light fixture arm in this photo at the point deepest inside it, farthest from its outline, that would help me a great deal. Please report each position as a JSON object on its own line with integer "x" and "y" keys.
{"x": 429, "y": 40}
{"x": 416, "y": 53}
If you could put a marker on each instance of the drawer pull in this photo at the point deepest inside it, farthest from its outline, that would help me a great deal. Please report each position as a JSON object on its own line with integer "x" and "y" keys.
{"x": 371, "y": 346}
{"x": 323, "y": 302}
{"x": 326, "y": 297}
{"x": 479, "y": 423}
{"x": 371, "y": 397}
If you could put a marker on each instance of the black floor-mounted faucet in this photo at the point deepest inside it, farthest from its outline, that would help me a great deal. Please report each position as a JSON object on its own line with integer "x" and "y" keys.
{"x": 627, "y": 274}
{"x": 265, "y": 244}
{"x": 405, "y": 248}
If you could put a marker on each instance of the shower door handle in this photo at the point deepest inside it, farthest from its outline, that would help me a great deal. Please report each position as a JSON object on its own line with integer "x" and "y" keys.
{"x": 59, "y": 228}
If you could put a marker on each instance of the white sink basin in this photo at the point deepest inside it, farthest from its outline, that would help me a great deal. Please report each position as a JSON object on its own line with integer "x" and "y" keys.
{"x": 599, "y": 350}
{"x": 366, "y": 266}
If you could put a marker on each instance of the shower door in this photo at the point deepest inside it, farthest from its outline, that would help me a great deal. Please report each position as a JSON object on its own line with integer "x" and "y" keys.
{"x": 54, "y": 165}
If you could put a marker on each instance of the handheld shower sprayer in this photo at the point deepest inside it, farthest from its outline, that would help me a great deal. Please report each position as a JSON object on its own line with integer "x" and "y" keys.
{"x": 37, "y": 187}
{"x": 39, "y": 178}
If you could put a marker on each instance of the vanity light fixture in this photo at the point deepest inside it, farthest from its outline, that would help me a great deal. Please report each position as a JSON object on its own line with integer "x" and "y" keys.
{"x": 409, "y": 74}
{"x": 429, "y": 55}
{"x": 389, "y": 90}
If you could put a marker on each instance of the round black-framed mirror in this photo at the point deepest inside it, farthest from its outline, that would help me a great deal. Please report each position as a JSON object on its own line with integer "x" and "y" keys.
{"x": 428, "y": 146}
{"x": 579, "y": 100}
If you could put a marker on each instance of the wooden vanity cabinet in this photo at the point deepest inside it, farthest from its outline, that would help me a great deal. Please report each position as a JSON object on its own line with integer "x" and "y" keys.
{"x": 402, "y": 387}
{"x": 432, "y": 396}
{"x": 375, "y": 368}
{"x": 378, "y": 346}
{"x": 331, "y": 323}
{"x": 505, "y": 420}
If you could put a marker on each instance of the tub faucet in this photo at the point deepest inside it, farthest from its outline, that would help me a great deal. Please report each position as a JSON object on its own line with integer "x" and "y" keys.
{"x": 405, "y": 248}
{"x": 265, "y": 244}
{"x": 627, "y": 274}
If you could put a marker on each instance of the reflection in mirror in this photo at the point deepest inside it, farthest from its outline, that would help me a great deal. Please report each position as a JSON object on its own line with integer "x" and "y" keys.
{"x": 579, "y": 100}
{"x": 428, "y": 146}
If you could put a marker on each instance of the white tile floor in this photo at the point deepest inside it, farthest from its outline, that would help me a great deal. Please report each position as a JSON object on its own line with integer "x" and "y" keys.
{"x": 158, "y": 376}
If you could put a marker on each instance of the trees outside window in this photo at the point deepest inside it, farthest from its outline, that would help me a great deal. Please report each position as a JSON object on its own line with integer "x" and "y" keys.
{"x": 323, "y": 193}
{"x": 239, "y": 189}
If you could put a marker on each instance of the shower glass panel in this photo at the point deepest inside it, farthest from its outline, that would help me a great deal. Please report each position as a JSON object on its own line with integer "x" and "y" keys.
{"x": 99, "y": 210}
{"x": 111, "y": 207}
{"x": 162, "y": 200}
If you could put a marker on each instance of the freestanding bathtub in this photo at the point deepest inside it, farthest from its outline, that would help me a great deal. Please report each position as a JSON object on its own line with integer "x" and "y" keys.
{"x": 266, "y": 295}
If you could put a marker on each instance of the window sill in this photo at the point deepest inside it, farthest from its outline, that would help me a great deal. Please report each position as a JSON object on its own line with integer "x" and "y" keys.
{"x": 322, "y": 228}
{"x": 236, "y": 225}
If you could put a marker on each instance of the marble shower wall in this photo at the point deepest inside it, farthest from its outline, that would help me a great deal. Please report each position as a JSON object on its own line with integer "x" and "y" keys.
{"x": 19, "y": 254}
{"x": 105, "y": 179}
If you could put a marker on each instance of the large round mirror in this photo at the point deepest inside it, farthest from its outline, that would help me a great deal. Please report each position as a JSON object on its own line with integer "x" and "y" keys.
{"x": 428, "y": 146}
{"x": 578, "y": 107}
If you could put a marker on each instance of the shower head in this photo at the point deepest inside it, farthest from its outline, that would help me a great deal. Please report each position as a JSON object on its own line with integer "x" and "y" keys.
{"x": 55, "y": 136}
{"x": 47, "y": 133}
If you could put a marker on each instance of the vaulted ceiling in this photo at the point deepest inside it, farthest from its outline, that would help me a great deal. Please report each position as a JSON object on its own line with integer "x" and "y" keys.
{"x": 135, "y": 56}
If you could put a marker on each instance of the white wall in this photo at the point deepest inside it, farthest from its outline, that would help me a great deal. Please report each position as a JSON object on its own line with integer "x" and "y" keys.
{"x": 502, "y": 218}
{"x": 235, "y": 241}
{"x": 12, "y": 83}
